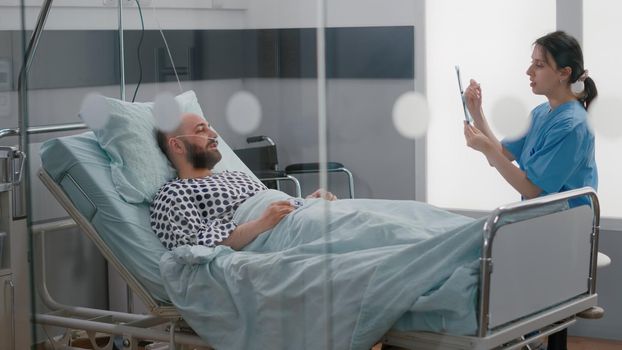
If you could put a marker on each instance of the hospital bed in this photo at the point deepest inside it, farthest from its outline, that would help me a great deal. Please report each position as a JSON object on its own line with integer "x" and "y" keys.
{"x": 537, "y": 264}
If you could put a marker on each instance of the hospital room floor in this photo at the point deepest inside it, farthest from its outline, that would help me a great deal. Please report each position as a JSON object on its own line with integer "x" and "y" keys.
{"x": 580, "y": 343}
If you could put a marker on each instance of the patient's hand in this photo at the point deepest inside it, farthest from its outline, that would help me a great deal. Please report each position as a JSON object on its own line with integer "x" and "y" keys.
{"x": 248, "y": 231}
{"x": 275, "y": 212}
{"x": 322, "y": 193}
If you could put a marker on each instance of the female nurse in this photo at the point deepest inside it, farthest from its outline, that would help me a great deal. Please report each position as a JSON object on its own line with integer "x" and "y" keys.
{"x": 557, "y": 152}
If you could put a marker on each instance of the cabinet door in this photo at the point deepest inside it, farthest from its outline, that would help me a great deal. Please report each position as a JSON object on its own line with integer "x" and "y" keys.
{"x": 6, "y": 312}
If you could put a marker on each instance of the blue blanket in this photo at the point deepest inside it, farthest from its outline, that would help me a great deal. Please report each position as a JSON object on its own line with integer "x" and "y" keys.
{"x": 331, "y": 275}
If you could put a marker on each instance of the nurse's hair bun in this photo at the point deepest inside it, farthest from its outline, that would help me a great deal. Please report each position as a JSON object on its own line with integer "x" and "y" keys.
{"x": 578, "y": 87}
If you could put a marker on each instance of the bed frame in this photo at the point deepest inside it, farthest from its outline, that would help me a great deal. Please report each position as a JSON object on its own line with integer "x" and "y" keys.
{"x": 537, "y": 273}
{"x": 164, "y": 324}
{"x": 544, "y": 264}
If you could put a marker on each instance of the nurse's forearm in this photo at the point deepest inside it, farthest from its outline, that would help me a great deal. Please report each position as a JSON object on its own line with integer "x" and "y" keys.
{"x": 513, "y": 175}
{"x": 482, "y": 124}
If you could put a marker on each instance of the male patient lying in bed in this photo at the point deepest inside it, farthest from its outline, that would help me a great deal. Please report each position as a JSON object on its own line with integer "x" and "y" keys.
{"x": 197, "y": 207}
{"x": 400, "y": 264}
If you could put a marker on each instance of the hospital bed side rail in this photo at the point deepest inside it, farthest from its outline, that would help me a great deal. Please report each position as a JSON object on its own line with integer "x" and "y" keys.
{"x": 43, "y": 129}
{"x": 154, "y": 306}
{"x": 132, "y": 327}
{"x": 19, "y": 192}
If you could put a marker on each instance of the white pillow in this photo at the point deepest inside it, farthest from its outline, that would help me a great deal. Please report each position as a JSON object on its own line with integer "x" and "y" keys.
{"x": 138, "y": 166}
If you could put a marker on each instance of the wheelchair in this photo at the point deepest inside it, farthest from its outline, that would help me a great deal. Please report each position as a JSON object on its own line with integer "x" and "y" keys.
{"x": 263, "y": 162}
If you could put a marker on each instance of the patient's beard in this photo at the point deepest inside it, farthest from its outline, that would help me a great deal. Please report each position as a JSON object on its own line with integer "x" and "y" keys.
{"x": 202, "y": 158}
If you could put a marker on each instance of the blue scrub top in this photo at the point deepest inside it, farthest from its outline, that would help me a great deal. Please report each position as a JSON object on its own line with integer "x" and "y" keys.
{"x": 557, "y": 153}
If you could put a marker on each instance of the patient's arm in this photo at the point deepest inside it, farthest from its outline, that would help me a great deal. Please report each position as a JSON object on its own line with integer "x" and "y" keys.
{"x": 247, "y": 232}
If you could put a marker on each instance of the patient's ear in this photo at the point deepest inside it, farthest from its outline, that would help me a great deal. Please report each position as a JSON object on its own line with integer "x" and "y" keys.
{"x": 175, "y": 146}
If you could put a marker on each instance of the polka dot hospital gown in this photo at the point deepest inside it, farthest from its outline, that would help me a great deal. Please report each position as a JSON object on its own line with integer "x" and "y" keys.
{"x": 200, "y": 211}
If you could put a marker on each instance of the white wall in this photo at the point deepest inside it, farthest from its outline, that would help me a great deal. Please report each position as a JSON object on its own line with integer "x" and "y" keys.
{"x": 92, "y": 14}
{"x": 602, "y": 56}
{"x": 491, "y": 41}
{"x": 339, "y": 13}
{"x": 205, "y": 14}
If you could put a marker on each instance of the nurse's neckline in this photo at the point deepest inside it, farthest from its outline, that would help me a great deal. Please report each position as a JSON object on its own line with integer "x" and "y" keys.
{"x": 551, "y": 109}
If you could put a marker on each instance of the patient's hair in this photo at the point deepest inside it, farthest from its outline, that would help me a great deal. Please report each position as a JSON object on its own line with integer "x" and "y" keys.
{"x": 162, "y": 142}
{"x": 567, "y": 52}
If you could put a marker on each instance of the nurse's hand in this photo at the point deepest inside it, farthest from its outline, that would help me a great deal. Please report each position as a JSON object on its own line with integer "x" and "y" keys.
{"x": 473, "y": 97}
{"x": 476, "y": 139}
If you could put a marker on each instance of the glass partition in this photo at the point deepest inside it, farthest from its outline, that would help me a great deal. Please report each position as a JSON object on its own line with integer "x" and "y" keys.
{"x": 125, "y": 73}
{"x": 259, "y": 169}
{"x": 10, "y": 56}
{"x": 598, "y": 27}
{"x": 300, "y": 96}
{"x": 377, "y": 119}
{"x": 73, "y": 52}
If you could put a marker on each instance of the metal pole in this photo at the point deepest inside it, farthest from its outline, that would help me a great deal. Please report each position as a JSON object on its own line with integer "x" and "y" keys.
{"x": 129, "y": 294}
{"x": 21, "y": 191}
{"x": 323, "y": 156}
{"x": 121, "y": 51}
{"x": 595, "y": 237}
{"x": 56, "y": 128}
{"x": 44, "y": 129}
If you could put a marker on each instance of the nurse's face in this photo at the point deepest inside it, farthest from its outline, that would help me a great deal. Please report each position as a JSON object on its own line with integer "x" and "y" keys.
{"x": 543, "y": 74}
